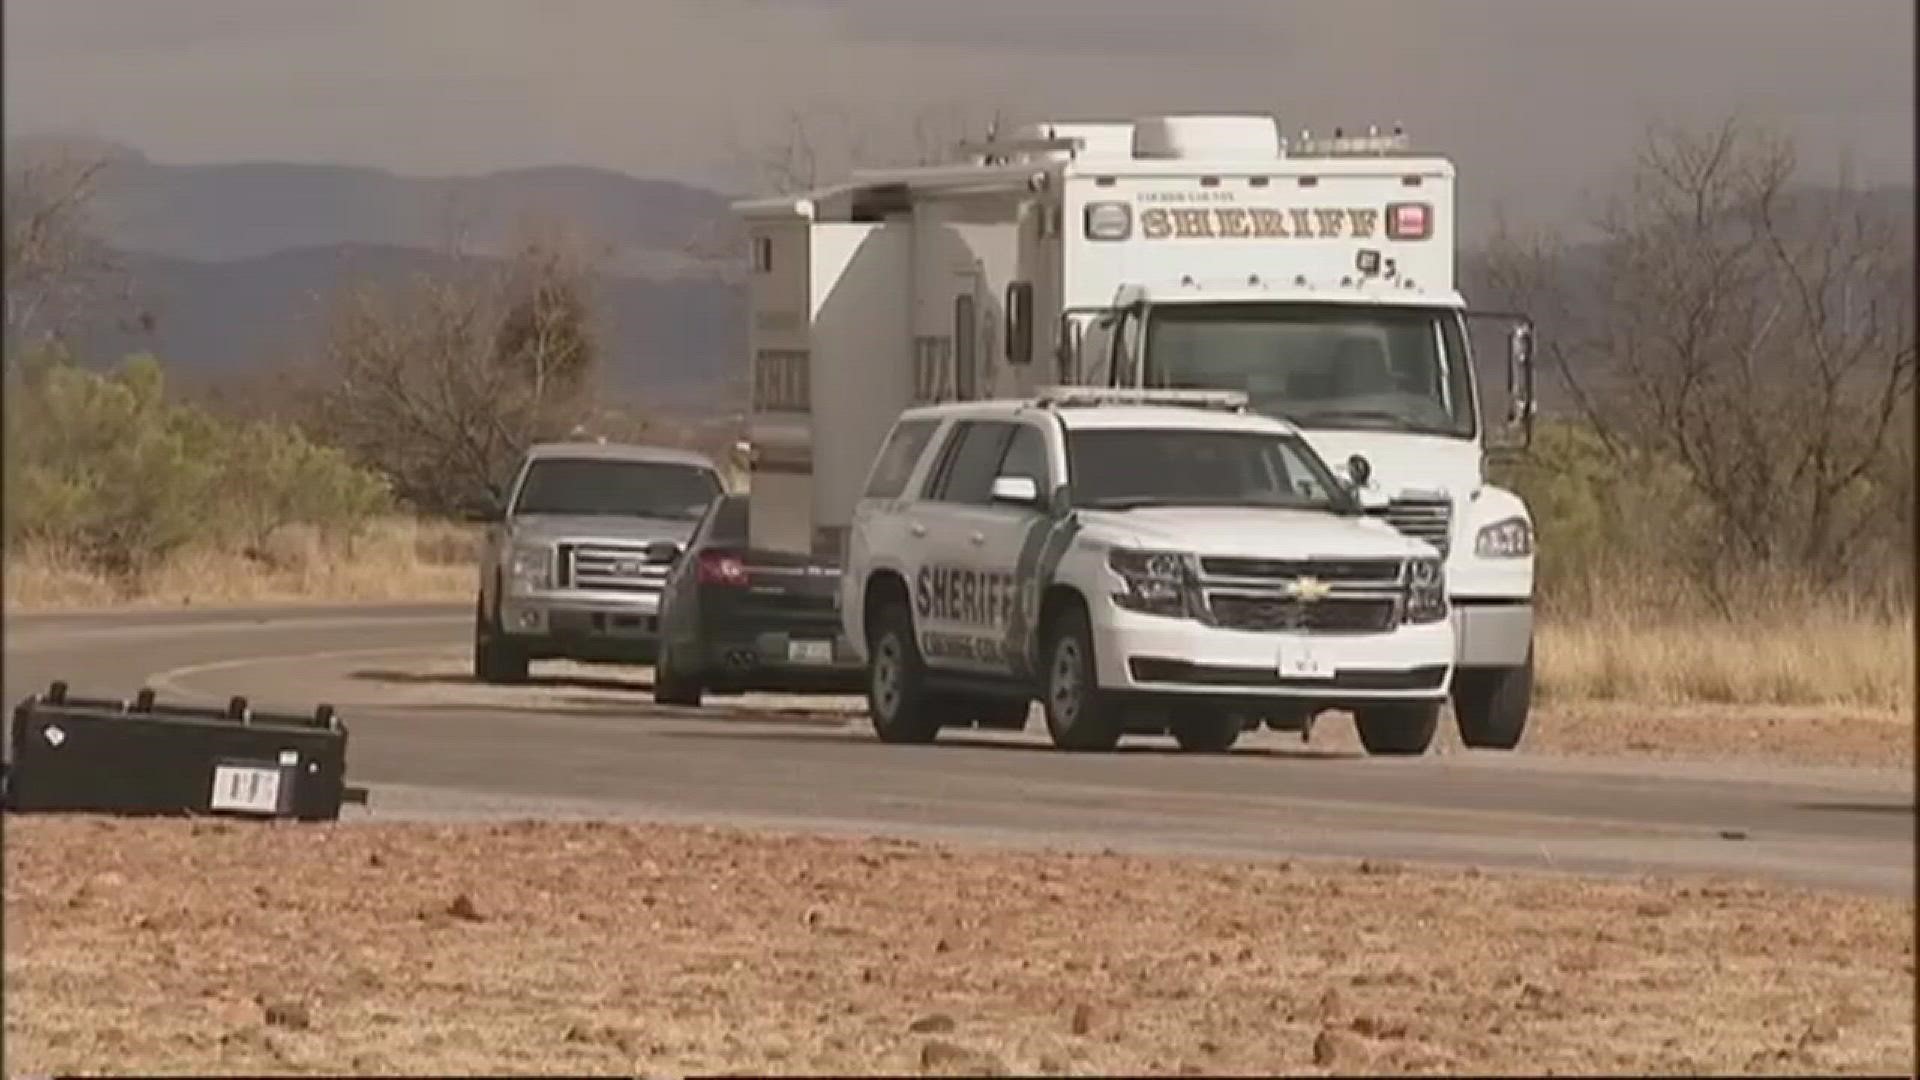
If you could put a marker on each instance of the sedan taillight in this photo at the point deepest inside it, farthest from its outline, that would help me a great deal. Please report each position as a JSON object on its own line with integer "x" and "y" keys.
{"x": 722, "y": 568}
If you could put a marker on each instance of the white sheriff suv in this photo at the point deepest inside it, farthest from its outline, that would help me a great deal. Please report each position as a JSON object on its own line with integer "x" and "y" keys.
{"x": 1143, "y": 562}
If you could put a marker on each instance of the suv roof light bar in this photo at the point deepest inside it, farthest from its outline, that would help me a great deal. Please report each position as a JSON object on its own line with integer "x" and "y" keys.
{"x": 1058, "y": 397}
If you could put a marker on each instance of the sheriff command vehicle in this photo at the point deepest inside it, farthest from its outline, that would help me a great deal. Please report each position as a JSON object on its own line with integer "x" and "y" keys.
{"x": 1141, "y": 562}
{"x": 1199, "y": 252}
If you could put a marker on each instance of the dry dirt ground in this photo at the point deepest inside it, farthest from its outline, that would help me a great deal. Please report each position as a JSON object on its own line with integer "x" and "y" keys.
{"x": 217, "y": 947}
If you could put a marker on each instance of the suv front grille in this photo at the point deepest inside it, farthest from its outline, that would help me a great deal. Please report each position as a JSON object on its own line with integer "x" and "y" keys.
{"x": 1381, "y": 572}
{"x": 1350, "y": 596}
{"x": 1339, "y": 616}
{"x": 611, "y": 568}
{"x": 1423, "y": 517}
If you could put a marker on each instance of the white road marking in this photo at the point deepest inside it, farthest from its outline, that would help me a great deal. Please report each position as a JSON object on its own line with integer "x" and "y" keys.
{"x": 169, "y": 681}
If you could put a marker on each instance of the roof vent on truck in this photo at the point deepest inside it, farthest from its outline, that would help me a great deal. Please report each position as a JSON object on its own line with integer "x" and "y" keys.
{"x": 1067, "y": 397}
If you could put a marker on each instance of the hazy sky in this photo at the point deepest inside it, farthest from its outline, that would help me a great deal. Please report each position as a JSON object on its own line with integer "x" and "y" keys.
{"x": 1539, "y": 101}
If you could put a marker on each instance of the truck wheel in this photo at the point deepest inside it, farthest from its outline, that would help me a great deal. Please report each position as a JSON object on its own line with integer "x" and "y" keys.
{"x": 495, "y": 660}
{"x": 898, "y": 704}
{"x": 670, "y": 685}
{"x": 1490, "y": 705}
{"x": 1397, "y": 729}
{"x": 1079, "y": 715}
{"x": 1207, "y": 732}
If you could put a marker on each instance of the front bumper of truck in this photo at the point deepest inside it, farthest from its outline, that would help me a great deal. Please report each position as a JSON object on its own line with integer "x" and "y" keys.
{"x": 593, "y": 626}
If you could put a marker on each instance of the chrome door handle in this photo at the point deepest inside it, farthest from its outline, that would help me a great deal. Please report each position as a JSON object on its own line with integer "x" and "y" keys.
{"x": 978, "y": 538}
{"x": 917, "y": 529}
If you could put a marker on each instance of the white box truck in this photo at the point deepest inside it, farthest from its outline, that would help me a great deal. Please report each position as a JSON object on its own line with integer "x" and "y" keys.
{"x": 1183, "y": 252}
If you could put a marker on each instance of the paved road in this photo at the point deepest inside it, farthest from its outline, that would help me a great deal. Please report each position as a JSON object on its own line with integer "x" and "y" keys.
{"x": 430, "y": 744}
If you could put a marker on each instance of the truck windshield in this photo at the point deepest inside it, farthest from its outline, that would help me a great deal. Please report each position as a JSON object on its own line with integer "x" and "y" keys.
{"x": 654, "y": 489}
{"x": 1321, "y": 365}
{"x": 1125, "y": 468}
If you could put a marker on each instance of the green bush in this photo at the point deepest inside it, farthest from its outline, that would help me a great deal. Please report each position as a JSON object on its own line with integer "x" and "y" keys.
{"x": 109, "y": 468}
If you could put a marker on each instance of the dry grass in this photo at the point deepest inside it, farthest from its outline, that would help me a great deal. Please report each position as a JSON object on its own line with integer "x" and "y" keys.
{"x": 398, "y": 559}
{"x": 1858, "y": 663}
{"x": 223, "y": 948}
{"x": 1655, "y": 639}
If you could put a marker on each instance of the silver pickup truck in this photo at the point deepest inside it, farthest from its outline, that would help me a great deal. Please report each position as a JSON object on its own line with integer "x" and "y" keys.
{"x": 574, "y": 563}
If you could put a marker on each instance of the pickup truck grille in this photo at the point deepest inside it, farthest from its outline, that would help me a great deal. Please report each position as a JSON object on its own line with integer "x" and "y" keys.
{"x": 611, "y": 568}
{"x": 1423, "y": 517}
{"x": 1338, "y": 616}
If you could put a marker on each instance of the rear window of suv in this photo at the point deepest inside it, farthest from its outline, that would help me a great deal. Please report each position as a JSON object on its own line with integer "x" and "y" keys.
{"x": 894, "y": 466}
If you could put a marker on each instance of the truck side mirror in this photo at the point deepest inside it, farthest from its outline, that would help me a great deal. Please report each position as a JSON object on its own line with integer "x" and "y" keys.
{"x": 1066, "y": 348}
{"x": 1020, "y": 322}
{"x": 1520, "y": 402}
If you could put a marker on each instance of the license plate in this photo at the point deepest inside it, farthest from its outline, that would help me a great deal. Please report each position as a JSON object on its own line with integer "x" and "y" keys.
{"x": 245, "y": 789}
{"x": 810, "y": 652}
{"x": 1298, "y": 661}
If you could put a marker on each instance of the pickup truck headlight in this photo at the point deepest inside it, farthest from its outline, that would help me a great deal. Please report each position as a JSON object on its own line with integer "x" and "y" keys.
{"x": 1426, "y": 591}
{"x": 1156, "y": 582}
{"x": 530, "y": 567}
{"x": 1508, "y": 539}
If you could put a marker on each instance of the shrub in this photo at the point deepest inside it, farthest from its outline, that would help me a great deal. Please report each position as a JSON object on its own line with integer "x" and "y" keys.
{"x": 108, "y": 468}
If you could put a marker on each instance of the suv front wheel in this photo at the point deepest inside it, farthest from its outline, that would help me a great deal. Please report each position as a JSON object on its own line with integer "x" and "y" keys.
{"x": 1080, "y": 716}
{"x": 898, "y": 704}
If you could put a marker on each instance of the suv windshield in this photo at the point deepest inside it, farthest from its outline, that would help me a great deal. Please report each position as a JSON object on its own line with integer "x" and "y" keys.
{"x": 1320, "y": 365}
{"x": 1123, "y": 468}
{"x": 654, "y": 489}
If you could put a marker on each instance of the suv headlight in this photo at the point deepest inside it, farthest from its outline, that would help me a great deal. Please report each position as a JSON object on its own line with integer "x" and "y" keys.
{"x": 1156, "y": 582}
{"x": 1426, "y": 590}
{"x": 1508, "y": 539}
{"x": 530, "y": 567}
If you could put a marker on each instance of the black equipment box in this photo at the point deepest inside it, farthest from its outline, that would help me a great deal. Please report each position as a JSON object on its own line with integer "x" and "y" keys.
{"x": 106, "y": 756}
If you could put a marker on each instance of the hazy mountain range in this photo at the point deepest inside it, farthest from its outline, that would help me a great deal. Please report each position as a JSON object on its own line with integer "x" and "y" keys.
{"x": 236, "y": 263}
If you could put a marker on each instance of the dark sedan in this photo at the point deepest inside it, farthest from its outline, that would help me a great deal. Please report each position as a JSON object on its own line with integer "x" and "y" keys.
{"x": 735, "y": 619}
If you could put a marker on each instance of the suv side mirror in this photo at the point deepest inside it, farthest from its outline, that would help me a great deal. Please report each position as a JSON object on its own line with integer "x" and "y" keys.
{"x": 1016, "y": 491}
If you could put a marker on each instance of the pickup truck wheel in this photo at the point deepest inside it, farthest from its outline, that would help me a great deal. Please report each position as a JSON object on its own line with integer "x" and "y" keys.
{"x": 1490, "y": 705}
{"x": 1079, "y": 715}
{"x": 1397, "y": 730}
{"x": 495, "y": 660}
{"x": 671, "y": 686}
{"x": 898, "y": 704}
{"x": 1207, "y": 732}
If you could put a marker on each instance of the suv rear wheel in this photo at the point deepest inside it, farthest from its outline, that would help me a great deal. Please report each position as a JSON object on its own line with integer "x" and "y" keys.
{"x": 898, "y": 704}
{"x": 1207, "y": 732}
{"x": 1079, "y": 715}
{"x": 1398, "y": 730}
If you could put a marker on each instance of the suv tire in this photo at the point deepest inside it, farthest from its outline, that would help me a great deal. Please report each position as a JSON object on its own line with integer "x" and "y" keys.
{"x": 1207, "y": 732}
{"x": 898, "y": 703}
{"x": 495, "y": 659}
{"x": 1080, "y": 716}
{"x": 1397, "y": 730}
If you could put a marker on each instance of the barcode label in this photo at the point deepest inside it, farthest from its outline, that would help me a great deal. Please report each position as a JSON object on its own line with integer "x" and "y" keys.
{"x": 246, "y": 790}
